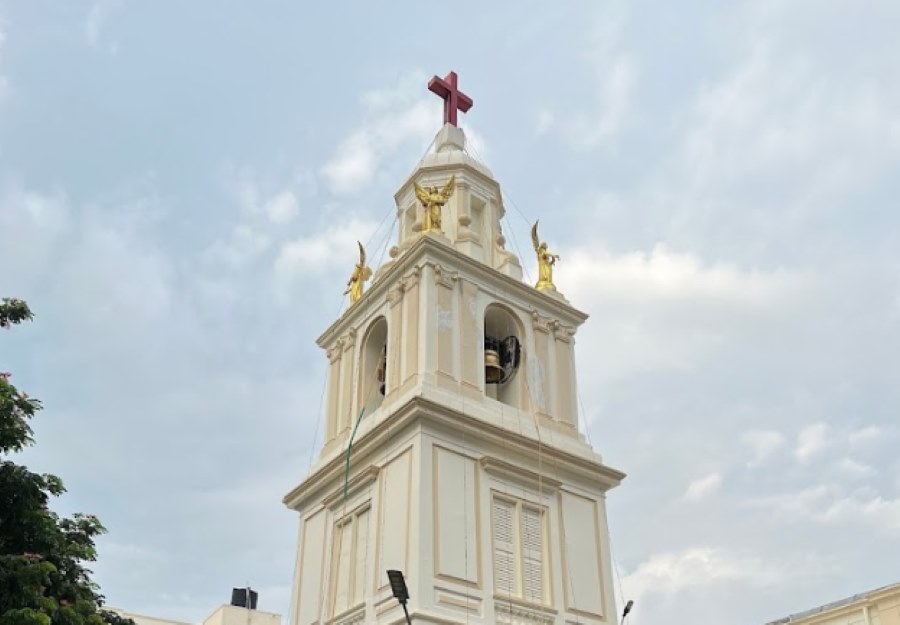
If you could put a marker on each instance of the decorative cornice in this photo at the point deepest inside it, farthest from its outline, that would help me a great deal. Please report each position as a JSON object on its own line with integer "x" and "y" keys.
{"x": 442, "y": 253}
{"x": 563, "y": 333}
{"x": 358, "y": 483}
{"x": 516, "y": 612}
{"x": 498, "y": 467}
{"x": 475, "y": 179}
{"x": 542, "y": 323}
{"x": 417, "y": 409}
{"x": 411, "y": 279}
{"x": 349, "y": 339}
{"x": 443, "y": 276}
{"x": 395, "y": 294}
{"x": 334, "y": 353}
{"x": 354, "y": 616}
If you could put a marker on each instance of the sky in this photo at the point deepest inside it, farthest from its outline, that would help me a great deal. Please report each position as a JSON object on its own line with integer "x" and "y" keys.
{"x": 182, "y": 186}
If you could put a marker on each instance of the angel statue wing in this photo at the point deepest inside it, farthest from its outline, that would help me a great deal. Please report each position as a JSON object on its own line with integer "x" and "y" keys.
{"x": 447, "y": 191}
{"x": 535, "y": 241}
{"x": 366, "y": 272}
{"x": 422, "y": 193}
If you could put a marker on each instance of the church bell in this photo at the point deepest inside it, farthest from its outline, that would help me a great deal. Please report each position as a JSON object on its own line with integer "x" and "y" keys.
{"x": 493, "y": 371}
{"x": 501, "y": 358}
{"x": 381, "y": 370}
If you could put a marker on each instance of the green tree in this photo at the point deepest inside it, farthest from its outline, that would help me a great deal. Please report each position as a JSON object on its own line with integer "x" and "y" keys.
{"x": 43, "y": 579}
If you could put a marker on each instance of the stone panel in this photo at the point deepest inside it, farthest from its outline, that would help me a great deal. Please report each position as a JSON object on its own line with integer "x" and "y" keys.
{"x": 455, "y": 516}
{"x": 312, "y": 559}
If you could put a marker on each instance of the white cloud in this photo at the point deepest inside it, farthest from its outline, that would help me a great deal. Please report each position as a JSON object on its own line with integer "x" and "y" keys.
{"x": 812, "y": 440}
{"x": 616, "y": 83}
{"x": 275, "y": 199}
{"x": 833, "y": 505}
{"x": 4, "y": 81}
{"x": 662, "y": 310}
{"x": 545, "y": 121}
{"x": 242, "y": 245}
{"x": 394, "y": 117}
{"x": 353, "y": 165}
{"x": 116, "y": 281}
{"x": 320, "y": 253}
{"x": 34, "y": 226}
{"x": 662, "y": 275}
{"x": 778, "y": 115}
{"x": 855, "y": 468}
{"x": 267, "y": 203}
{"x": 702, "y": 487}
{"x": 762, "y": 443}
{"x": 96, "y": 20}
{"x": 282, "y": 207}
{"x": 675, "y": 572}
{"x": 868, "y": 434}
{"x": 613, "y": 71}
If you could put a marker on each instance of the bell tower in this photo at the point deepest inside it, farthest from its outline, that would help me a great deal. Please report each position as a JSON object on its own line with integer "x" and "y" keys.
{"x": 451, "y": 448}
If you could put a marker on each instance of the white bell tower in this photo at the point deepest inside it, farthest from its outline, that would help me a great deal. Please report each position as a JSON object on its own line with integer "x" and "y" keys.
{"x": 452, "y": 449}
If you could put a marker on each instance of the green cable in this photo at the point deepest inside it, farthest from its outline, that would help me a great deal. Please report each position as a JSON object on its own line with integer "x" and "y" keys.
{"x": 349, "y": 447}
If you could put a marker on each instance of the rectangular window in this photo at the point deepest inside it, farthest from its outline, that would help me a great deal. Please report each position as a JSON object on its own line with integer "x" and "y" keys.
{"x": 519, "y": 531}
{"x": 351, "y": 555}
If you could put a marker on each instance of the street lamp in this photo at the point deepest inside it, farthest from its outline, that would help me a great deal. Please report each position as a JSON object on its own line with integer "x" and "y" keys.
{"x": 627, "y": 609}
{"x": 398, "y": 586}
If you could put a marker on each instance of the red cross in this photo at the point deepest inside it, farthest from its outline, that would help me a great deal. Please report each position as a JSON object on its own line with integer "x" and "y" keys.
{"x": 453, "y": 98}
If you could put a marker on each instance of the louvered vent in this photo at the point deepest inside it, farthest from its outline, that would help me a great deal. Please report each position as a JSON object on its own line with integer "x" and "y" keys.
{"x": 532, "y": 555}
{"x": 504, "y": 547}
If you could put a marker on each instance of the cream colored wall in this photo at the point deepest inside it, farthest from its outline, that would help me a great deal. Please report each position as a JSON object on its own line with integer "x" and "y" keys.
{"x": 876, "y": 607}
{"x": 428, "y": 495}
{"x": 427, "y": 462}
{"x": 233, "y": 615}
{"x": 223, "y": 615}
{"x": 464, "y": 474}
{"x": 435, "y": 319}
{"x": 141, "y": 619}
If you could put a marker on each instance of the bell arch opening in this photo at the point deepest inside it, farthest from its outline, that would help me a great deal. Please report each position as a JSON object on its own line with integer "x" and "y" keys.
{"x": 503, "y": 336}
{"x": 373, "y": 366}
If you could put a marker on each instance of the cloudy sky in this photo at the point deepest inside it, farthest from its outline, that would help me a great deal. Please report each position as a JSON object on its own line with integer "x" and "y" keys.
{"x": 181, "y": 186}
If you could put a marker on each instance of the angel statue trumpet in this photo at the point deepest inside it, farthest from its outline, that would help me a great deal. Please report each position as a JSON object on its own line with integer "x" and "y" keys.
{"x": 360, "y": 274}
{"x": 546, "y": 260}
{"x": 433, "y": 201}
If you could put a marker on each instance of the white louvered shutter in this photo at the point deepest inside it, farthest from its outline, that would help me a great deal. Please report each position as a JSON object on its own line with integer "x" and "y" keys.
{"x": 533, "y": 554}
{"x": 504, "y": 547}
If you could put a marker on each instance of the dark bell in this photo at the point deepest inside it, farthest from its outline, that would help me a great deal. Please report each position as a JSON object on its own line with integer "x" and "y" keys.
{"x": 493, "y": 371}
{"x": 381, "y": 371}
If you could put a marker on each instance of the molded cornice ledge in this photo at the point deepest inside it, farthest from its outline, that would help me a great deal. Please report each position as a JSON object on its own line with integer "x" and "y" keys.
{"x": 419, "y": 410}
{"x": 431, "y": 250}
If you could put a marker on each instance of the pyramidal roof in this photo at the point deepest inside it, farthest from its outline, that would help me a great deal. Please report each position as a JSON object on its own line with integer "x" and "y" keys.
{"x": 450, "y": 149}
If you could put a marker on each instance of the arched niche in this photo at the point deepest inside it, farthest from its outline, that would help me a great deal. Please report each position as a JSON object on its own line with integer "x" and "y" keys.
{"x": 503, "y": 355}
{"x": 373, "y": 366}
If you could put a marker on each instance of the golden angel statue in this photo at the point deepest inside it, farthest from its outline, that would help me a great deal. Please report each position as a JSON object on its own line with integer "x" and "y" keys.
{"x": 360, "y": 274}
{"x": 546, "y": 260}
{"x": 433, "y": 201}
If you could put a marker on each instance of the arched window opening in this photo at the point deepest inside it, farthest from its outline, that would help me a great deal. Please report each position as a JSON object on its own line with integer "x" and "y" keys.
{"x": 373, "y": 374}
{"x": 502, "y": 356}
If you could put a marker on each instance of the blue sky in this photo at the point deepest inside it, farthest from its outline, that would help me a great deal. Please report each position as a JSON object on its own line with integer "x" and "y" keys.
{"x": 181, "y": 187}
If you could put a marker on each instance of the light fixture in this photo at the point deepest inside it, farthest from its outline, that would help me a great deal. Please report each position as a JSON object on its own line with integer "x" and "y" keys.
{"x": 627, "y": 609}
{"x": 398, "y": 587}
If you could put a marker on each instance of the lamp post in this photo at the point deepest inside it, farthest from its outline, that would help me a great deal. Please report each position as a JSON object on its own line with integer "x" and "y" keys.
{"x": 398, "y": 587}
{"x": 627, "y": 609}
